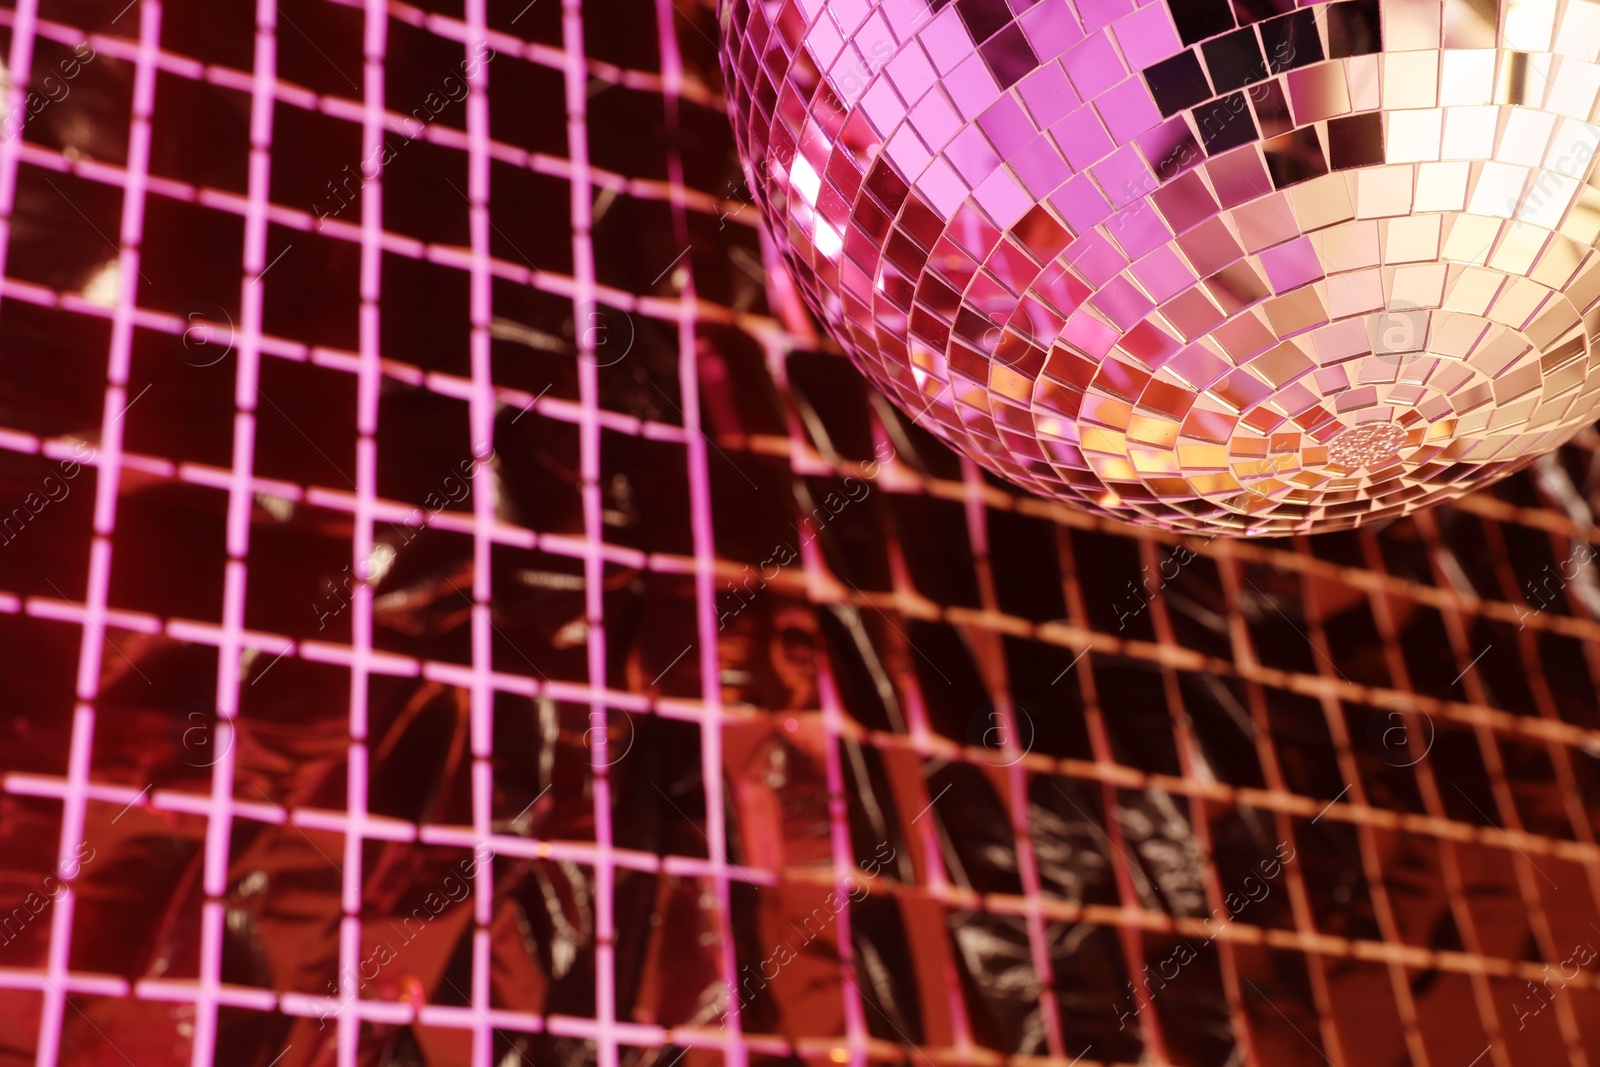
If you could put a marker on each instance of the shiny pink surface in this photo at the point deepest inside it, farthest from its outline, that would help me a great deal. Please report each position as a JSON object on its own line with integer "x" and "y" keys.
{"x": 1185, "y": 262}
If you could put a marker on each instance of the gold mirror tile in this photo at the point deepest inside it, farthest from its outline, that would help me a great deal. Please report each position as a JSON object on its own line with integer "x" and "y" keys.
{"x": 1134, "y": 256}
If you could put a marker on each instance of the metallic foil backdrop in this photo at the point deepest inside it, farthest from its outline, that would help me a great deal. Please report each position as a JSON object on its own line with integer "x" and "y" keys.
{"x": 456, "y": 608}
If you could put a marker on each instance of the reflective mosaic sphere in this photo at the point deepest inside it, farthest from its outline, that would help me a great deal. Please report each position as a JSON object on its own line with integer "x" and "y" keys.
{"x": 1235, "y": 266}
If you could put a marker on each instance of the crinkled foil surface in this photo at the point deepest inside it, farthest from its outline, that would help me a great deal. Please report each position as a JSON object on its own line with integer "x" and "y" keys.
{"x": 456, "y": 608}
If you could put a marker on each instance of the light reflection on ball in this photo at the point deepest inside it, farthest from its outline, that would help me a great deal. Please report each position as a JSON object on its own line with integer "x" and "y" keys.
{"x": 1223, "y": 266}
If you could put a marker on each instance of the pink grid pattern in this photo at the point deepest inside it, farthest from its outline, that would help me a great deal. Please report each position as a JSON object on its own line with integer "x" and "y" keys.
{"x": 233, "y": 638}
{"x": 246, "y": 653}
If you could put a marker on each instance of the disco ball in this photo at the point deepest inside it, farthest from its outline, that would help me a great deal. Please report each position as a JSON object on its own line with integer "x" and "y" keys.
{"x": 1235, "y": 267}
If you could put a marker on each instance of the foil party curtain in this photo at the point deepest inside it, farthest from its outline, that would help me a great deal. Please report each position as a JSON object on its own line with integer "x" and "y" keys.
{"x": 456, "y": 608}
